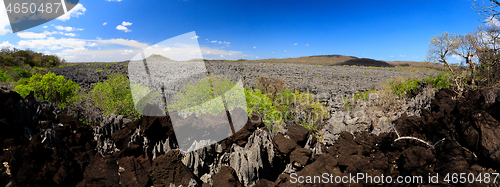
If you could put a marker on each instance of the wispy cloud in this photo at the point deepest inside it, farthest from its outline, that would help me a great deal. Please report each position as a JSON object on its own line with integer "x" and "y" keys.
{"x": 402, "y": 56}
{"x": 105, "y": 23}
{"x": 77, "y": 11}
{"x": 295, "y": 44}
{"x": 307, "y": 44}
{"x": 194, "y": 37}
{"x": 30, "y": 35}
{"x": 68, "y": 29}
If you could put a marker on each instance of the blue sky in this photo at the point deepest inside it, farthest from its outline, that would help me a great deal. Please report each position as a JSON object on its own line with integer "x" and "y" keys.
{"x": 101, "y": 30}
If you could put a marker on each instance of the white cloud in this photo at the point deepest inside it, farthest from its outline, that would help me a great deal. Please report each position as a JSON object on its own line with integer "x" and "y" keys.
{"x": 124, "y": 42}
{"x": 70, "y": 34}
{"x": 126, "y": 52}
{"x": 123, "y": 26}
{"x": 286, "y": 51}
{"x": 218, "y": 52}
{"x": 456, "y": 57}
{"x": 31, "y": 35}
{"x": 50, "y": 42}
{"x": 295, "y": 44}
{"x": 68, "y": 29}
{"x": 214, "y": 41}
{"x": 221, "y": 55}
{"x": 124, "y": 23}
{"x": 45, "y": 26}
{"x": 391, "y": 56}
{"x": 254, "y": 47}
{"x": 4, "y": 20}
{"x": 195, "y": 37}
{"x": 6, "y": 44}
{"x": 105, "y": 23}
{"x": 77, "y": 11}
{"x": 272, "y": 52}
{"x": 256, "y": 57}
{"x": 402, "y": 56}
{"x": 493, "y": 21}
{"x": 114, "y": 0}
{"x": 307, "y": 44}
{"x": 220, "y": 42}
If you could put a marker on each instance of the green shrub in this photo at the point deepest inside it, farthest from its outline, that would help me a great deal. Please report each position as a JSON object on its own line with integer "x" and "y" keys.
{"x": 441, "y": 81}
{"x": 22, "y": 73}
{"x": 400, "y": 86}
{"x": 114, "y": 96}
{"x": 346, "y": 104}
{"x": 98, "y": 70}
{"x": 106, "y": 65}
{"x": 363, "y": 95}
{"x": 48, "y": 87}
{"x": 314, "y": 111}
{"x": 4, "y": 77}
{"x": 270, "y": 112}
{"x": 198, "y": 97}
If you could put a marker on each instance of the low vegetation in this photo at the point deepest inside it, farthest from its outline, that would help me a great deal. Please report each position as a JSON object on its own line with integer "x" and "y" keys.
{"x": 114, "y": 96}
{"x": 48, "y": 87}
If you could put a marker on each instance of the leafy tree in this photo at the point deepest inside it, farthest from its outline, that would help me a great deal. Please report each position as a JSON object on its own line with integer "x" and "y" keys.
{"x": 114, "y": 96}
{"x": 48, "y": 87}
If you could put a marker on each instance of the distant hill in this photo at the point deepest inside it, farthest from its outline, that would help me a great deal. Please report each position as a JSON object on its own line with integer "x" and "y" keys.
{"x": 366, "y": 62}
{"x": 339, "y": 60}
{"x": 325, "y": 60}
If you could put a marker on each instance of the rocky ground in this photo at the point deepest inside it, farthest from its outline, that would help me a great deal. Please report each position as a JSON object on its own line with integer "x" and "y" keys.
{"x": 316, "y": 79}
{"x": 458, "y": 133}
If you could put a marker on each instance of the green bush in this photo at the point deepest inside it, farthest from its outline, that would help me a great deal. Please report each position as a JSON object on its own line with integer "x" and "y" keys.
{"x": 48, "y": 87}
{"x": 22, "y": 73}
{"x": 270, "y": 112}
{"x": 4, "y": 77}
{"x": 314, "y": 111}
{"x": 198, "y": 97}
{"x": 441, "y": 81}
{"x": 114, "y": 96}
{"x": 363, "y": 95}
{"x": 400, "y": 86}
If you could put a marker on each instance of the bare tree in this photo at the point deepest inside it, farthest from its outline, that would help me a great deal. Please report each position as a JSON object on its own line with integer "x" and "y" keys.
{"x": 442, "y": 46}
{"x": 488, "y": 52}
{"x": 466, "y": 48}
{"x": 487, "y": 10}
